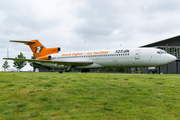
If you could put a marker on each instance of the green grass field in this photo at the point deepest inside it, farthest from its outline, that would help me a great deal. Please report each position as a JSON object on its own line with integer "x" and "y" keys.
{"x": 89, "y": 96}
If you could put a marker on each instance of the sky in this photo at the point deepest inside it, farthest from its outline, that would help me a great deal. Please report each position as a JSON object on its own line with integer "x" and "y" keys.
{"x": 78, "y": 25}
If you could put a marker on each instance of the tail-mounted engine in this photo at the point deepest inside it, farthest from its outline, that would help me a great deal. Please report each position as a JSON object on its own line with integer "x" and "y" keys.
{"x": 47, "y": 57}
{"x": 50, "y": 51}
{"x": 53, "y": 50}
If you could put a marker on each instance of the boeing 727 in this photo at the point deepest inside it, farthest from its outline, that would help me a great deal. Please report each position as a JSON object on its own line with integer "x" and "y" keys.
{"x": 130, "y": 57}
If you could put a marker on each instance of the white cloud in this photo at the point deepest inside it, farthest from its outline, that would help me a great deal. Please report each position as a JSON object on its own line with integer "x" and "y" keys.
{"x": 102, "y": 24}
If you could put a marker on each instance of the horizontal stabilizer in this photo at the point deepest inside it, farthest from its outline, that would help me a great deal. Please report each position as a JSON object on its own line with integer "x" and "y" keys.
{"x": 22, "y": 41}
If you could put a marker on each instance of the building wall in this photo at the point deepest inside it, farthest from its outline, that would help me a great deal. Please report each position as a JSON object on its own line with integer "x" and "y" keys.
{"x": 172, "y": 68}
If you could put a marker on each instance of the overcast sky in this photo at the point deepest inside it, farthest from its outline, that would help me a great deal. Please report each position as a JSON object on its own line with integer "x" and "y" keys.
{"x": 76, "y": 25}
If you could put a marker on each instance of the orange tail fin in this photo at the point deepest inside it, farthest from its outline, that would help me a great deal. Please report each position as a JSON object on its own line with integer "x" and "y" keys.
{"x": 38, "y": 49}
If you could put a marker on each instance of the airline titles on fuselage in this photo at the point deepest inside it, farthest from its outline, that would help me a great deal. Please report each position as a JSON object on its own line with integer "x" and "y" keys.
{"x": 88, "y": 53}
{"x": 94, "y": 53}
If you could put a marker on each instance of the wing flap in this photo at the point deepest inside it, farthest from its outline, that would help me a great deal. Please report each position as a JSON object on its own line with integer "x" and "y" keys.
{"x": 55, "y": 62}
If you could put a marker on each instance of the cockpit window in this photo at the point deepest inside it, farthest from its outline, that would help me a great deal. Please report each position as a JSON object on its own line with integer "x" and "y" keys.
{"x": 161, "y": 52}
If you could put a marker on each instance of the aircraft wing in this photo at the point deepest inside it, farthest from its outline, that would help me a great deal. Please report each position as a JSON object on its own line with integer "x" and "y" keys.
{"x": 79, "y": 63}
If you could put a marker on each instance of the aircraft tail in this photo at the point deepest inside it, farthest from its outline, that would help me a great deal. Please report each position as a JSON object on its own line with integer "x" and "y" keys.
{"x": 38, "y": 49}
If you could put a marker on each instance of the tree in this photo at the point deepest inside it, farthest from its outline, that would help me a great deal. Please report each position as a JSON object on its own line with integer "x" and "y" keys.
{"x": 5, "y": 65}
{"x": 19, "y": 64}
{"x": 109, "y": 69}
{"x": 120, "y": 69}
{"x": 33, "y": 64}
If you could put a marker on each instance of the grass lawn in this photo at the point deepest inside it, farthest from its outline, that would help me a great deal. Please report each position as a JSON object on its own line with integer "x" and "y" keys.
{"x": 83, "y": 96}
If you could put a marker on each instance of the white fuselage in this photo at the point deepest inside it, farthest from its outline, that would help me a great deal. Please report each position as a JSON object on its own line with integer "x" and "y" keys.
{"x": 131, "y": 57}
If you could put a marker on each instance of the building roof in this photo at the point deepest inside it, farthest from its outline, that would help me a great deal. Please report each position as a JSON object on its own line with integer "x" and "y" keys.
{"x": 174, "y": 41}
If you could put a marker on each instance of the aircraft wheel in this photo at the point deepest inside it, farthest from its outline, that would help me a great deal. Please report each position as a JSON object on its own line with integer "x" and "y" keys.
{"x": 85, "y": 70}
{"x": 67, "y": 70}
{"x": 61, "y": 71}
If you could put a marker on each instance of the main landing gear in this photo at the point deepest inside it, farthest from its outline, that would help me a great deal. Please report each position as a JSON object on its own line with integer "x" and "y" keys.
{"x": 67, "y": 70}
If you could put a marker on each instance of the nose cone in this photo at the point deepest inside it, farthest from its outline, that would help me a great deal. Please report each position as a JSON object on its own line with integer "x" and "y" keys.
{"x": 172, "y": 58}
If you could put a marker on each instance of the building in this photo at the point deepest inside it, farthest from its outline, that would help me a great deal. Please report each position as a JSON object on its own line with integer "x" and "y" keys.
{"x": 171, "y": 46}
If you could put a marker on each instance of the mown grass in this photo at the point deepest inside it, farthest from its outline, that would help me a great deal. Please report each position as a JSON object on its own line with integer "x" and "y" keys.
{"x": 89, "y": 96}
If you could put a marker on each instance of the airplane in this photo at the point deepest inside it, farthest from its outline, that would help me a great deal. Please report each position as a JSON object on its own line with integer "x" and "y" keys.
{"x": 129, "y": 57}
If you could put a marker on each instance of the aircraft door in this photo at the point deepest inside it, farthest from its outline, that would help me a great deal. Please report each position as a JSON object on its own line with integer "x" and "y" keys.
{"x": 137, "y": 54}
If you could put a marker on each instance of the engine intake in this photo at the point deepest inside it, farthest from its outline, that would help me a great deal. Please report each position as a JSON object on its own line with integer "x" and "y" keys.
{"x": 58, "y": 49}
{"x": 49, "y": 57}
